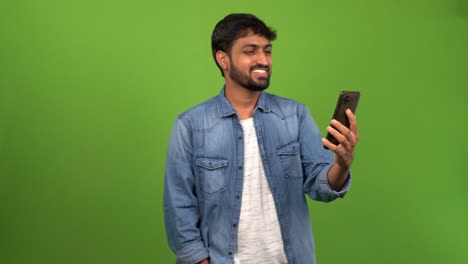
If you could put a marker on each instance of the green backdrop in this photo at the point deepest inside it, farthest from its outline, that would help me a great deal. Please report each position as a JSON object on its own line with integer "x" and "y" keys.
{"x": 89, "y": 91}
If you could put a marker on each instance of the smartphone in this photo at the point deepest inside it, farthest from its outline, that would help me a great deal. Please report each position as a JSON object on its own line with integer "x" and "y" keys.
{"x": 346, "y": 100}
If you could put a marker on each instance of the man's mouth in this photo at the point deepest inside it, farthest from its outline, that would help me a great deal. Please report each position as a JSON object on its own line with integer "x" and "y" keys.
{"x": 260, "y": 73}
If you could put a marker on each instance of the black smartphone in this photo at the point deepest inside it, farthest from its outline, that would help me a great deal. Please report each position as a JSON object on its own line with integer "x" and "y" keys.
{"x": 346, "y": 100}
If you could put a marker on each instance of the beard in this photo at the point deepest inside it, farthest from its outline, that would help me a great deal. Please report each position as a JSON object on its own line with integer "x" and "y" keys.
{"x": 247, "y": 82}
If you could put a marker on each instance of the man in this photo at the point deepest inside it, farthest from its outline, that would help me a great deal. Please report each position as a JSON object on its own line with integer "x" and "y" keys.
{"x": 238, "y": 164}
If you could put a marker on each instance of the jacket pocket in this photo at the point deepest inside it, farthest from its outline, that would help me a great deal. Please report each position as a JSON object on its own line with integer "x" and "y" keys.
{"x": 290, "y": 157}
{"x": 212, "y": 174}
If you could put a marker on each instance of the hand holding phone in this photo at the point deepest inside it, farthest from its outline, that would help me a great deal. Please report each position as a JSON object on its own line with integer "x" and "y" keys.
{"x": 346, "y": 100}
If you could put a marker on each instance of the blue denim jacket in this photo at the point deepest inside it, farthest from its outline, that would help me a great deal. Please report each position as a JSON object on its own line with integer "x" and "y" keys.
{"x": 204, "y": 177}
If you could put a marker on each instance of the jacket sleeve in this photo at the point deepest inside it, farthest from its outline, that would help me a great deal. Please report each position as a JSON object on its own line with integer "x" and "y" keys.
{"x": 181, "y": 213}
{"x": 316, "y": 161}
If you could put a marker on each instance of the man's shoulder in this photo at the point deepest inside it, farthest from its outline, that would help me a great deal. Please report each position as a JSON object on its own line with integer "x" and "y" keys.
{"x": 283, "y": 100}
{"x": 285, "y": 105}
{"x": 208, "y": 106}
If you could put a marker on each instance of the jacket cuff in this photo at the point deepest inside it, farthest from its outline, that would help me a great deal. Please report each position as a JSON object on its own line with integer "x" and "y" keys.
{"x": 191, "y": 254}
{"x": 326, "y": 188}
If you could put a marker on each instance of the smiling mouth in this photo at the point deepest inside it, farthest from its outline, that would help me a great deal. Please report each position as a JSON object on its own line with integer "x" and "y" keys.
{"x": 261, "y": 73}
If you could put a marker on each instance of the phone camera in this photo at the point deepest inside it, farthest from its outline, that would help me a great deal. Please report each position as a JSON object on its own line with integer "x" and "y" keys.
{"x": 347, "y": 99}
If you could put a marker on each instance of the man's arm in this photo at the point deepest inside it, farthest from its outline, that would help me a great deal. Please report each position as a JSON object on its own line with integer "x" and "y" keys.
{"x": 344, "y": 151}
{"x": 318, "y": 163}
{"x": 181, "y": 212}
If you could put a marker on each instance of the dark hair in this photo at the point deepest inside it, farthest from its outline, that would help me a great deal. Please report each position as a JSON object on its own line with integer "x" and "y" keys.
{"x": 236, "y": 26}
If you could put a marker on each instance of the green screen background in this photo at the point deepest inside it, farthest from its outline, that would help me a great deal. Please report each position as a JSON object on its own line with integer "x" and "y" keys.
{"x": 89, "y": 91}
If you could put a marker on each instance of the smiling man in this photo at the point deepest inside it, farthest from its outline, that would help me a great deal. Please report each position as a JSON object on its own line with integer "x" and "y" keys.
{"x": 238, "y": 165}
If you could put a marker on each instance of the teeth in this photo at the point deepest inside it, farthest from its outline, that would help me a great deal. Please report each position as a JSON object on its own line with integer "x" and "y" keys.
{"x": 261, "y": 71}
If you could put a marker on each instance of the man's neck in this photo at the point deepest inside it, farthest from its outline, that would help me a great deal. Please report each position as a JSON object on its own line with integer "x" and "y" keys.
{"x": 242, "y": 100}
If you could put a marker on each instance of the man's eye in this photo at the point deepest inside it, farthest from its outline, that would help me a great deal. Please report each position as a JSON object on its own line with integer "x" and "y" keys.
{"x": 248, "y": 51}
{"x": 268, "y": 51}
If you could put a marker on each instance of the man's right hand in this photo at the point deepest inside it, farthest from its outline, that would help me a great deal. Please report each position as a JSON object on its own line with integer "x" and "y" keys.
{"x": 205, "y": 261}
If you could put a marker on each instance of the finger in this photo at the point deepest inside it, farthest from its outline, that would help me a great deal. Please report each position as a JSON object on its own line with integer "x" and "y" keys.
{"x": 339, "y": 137}
{"x": 337, "y": 149}
{"x": 353, "y": 126}
{"x": 342, "y": 129}
{"x": 329, "y": 145}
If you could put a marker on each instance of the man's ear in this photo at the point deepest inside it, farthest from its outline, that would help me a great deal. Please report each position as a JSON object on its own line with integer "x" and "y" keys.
{"x": 222, "y": 59}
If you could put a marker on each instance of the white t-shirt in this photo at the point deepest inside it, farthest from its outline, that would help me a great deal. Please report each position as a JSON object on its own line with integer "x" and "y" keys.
{"x": 259, "y": 234}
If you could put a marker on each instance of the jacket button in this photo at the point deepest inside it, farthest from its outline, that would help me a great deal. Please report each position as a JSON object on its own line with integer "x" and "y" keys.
{"x": 240, "y": 137}
{"x": 240, "y": 167}
{"x": 234, "y": 225}
{"x": 230, "y": 253}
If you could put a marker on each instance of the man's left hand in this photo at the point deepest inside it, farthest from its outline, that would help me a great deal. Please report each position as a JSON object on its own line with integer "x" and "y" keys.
{"x": 347, "y": 138}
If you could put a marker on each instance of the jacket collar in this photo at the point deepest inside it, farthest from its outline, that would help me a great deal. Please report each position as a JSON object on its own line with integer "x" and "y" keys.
{"x": 264, "y": 103}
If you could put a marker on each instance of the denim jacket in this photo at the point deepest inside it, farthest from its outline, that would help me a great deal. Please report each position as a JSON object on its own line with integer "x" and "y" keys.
{"x": 204, "y": 177}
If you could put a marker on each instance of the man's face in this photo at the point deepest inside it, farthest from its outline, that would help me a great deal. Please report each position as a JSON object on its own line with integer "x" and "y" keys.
{"x": 251, "y": 62}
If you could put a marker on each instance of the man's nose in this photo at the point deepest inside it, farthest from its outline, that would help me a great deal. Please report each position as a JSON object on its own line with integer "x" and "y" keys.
{"x": 262, "y": 58}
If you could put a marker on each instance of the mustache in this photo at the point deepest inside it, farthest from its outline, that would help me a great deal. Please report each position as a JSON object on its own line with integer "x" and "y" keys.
{"x": 260, "y": 67}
